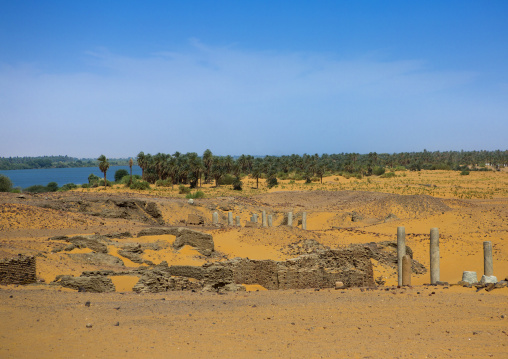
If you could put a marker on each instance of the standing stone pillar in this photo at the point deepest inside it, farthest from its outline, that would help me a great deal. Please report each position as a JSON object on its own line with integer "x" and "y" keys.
{"x": 270, "y": 220}
{"x": 263, "y": 219}
{"x": 238, "y": 221}
{"x": 488, "y": 264}
{"x": 290, "y": 219}
{"x": 304, "y": 220}
{"x": 254, "y": 218}
{"x": 215, "y": 218}
{"x": 230, "y": 218}
{"x": 434, "y": 255}
{"x": 406, "y": 270}
{"x": 401, "y": 251}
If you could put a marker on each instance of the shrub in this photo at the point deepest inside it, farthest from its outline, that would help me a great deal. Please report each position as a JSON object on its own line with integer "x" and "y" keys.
{"x": 101, "y": 183}
{"x": 464, "y": 173}
{"x": 440, "y": 166}
{"x": 126, "y": 179}
{"x": 5, "y": 184}
{"x": 151, "y": 177}
{"x": 85, "y": 185}
{"x": 140, "y": 185}
{"x": 388, "y": 175}
{"x": 164, "y": 183}
{"x": 52, "y": 186}
{"x": 272, "y": 182}
{"x": 296, "y": 177}
{"x": 359, "y": 176}
{"x": 227, "y": 180}
{"x": 38, "y": 188}
{"x": 119, "y": 174}
{"x": 400, "y": 168}
{"x": 92, "y": 179}
{"x": 282, "y": 175}
{"x": 197, "y": 194}
{"x": 183, "y": 190}
{"x": 378, "y": 171}
{"x": 68, "y": 186}
{"x": 237, "y": 184}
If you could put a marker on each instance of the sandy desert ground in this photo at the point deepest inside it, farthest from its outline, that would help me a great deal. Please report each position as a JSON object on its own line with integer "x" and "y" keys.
{"x": 42, "y": 320}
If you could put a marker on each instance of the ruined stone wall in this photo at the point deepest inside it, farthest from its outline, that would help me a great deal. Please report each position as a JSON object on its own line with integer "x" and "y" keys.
{"x": 322, "y": 269}
{"x": 317, "y": 270}
{"x": 20, "y": 270}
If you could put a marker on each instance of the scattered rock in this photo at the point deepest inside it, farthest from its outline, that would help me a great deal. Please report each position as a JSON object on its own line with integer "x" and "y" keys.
{"x": 339, "y": 285}
{"x": 250, "y": 224}
{"x": 95, "y": 243}
{"x": 390, "y": 217}
{"x": 89, "y": 325}
{"x": 203, "y": 242}
{"x": 133, "y": 252}
{"x": 152, "y": 209}
{"x": 502, "y": 284}
{"x": 98, "y": 259}
{"x": 305, "y": 246}
{"x": 98, "y": 284}
{"x": 195, "y": 220}
{"x": 490, "y": 286}
{"x": 488, "y": 279}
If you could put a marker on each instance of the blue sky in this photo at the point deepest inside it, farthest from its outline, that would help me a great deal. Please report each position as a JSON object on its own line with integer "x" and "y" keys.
{"x": 254, "y": 77}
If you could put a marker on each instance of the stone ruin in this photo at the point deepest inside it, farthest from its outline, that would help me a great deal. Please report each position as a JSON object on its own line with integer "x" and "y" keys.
{"x": 314, "y": 266}
{"x": 20, "y": 270}
{"x": 322, "y": 269}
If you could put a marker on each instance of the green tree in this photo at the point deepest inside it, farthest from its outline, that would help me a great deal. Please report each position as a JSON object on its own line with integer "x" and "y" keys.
{"x": 218, "y": 169}
{"x": 257, "y": 170}
{"x": 119, "y": 174}
{"x": 142, "y": 162}
{"x": 93, "y": 179}
{"x": 195, "y": 167}
{"x": 5, "y": 184}
{"x": 103, "y": 166}
{"x": 320, "y": 170}
{"x": 131, "y": 162}
{"x": 207, "y": 163}
{"x": 52, "y": 186}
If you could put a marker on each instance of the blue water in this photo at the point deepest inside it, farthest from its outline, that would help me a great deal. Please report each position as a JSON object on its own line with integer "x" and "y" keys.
{"x": 27, "y": 178}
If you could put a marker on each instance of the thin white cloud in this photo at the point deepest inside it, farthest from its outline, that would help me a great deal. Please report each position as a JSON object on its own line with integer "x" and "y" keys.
{"x": 235, "y": 101}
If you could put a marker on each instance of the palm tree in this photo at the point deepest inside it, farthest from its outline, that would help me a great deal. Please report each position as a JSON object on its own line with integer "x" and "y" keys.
{"x": 218, "y": 169}
{"x": 228, "y": 163}
{"x": 257, "y": 170}
{"x": 195, "y": 165}
{"x": 207, "y": 162}
{"x": 320, "y": 170}
{"x": 142, "y": 162}
{"x": 103, "y": 166}
{"x": 131, "y": 162}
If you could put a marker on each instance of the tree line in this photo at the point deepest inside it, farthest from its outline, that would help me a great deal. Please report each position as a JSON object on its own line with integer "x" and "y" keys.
{"x": 192, "y": 169}
{"x": 22, "y": 163}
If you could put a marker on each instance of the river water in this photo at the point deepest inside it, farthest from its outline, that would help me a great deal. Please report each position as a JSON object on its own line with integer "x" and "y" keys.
{"x": 27, "y": 178}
